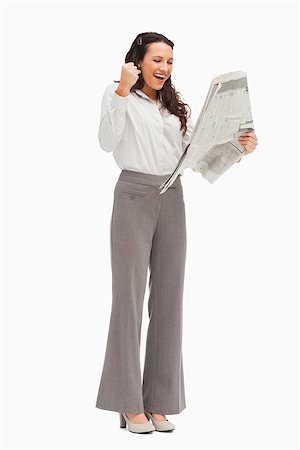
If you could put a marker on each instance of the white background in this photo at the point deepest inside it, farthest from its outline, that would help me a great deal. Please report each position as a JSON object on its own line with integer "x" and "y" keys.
{"x": 241, "y": 322}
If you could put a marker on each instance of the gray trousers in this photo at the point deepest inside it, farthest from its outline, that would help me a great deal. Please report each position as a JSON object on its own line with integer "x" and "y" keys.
{"x": 147, "y": 230}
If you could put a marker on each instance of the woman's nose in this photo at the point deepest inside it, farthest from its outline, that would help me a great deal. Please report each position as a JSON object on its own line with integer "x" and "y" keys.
{"x": 164, "y": 68}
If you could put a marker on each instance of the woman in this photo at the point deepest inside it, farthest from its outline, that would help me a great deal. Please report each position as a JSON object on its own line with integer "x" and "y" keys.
{"x": 146, "y": 126}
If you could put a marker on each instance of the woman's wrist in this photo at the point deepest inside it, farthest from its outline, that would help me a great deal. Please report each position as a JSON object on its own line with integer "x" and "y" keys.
{"x": 123, "y": 91}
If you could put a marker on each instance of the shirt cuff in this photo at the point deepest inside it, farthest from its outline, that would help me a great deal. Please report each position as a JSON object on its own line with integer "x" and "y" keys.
{"x": 119, "y": 101}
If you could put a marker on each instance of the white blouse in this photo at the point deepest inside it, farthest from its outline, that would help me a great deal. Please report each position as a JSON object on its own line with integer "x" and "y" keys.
{"x": 141, "y": 137}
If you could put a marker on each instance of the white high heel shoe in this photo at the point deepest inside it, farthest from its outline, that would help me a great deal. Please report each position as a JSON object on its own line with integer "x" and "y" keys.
{"x": 135, "y": 427}
{"x": 160, "y": 425}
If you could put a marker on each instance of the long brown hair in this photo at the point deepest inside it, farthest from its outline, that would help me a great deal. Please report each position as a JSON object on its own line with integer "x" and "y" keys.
{"x": 169, "y": 96}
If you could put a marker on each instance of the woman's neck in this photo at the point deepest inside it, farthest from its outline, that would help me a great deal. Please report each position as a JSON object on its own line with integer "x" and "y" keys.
{"x": 151, "y": 93}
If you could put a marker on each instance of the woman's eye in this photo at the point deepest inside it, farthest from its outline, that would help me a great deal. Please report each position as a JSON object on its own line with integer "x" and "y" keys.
{"x": 159, "y": 61}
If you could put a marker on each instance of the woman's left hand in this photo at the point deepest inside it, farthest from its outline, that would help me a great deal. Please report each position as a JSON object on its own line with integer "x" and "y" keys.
{"x": 249, "y": 141}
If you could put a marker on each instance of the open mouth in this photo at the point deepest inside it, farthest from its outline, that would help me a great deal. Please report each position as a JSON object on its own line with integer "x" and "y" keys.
{"x": 159, "y": 78}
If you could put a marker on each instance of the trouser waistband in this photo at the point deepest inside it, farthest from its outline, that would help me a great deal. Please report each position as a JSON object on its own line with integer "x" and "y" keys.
{"x": 147, "y": 178}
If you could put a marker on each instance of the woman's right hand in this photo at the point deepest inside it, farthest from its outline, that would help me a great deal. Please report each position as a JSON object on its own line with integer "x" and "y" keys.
{"x": 129, "y": 76}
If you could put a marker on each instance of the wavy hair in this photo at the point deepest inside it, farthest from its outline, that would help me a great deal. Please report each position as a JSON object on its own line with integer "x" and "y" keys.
{"x": 170, "y": 98}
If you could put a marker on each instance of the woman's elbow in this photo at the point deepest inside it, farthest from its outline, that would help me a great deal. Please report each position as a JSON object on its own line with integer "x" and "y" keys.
{"x": 104, "y": 143}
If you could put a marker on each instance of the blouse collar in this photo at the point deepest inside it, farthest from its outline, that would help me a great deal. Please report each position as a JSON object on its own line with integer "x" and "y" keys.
{"x": 142, "y": 94}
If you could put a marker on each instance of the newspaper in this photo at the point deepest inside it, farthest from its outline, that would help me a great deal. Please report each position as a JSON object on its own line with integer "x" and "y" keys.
{"x": 214, "y": 146}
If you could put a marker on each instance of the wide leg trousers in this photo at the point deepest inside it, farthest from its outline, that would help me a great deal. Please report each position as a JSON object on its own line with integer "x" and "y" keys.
{"x": 147, "y": 230}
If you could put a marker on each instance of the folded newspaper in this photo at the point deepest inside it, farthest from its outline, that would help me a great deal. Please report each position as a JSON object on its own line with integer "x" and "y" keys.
{"x": 214, "y": 146}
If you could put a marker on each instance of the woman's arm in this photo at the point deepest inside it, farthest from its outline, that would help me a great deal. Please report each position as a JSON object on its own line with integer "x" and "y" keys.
{"x": 113, "y": 118}
{"x": 186, "y": 139}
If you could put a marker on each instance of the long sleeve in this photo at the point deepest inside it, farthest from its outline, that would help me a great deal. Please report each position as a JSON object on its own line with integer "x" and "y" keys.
{"x": 113, "y": 118}
{"x": 186, "y": 139}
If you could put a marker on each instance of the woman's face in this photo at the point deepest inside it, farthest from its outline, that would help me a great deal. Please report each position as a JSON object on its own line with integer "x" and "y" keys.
{"x": 157, "y": 60}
